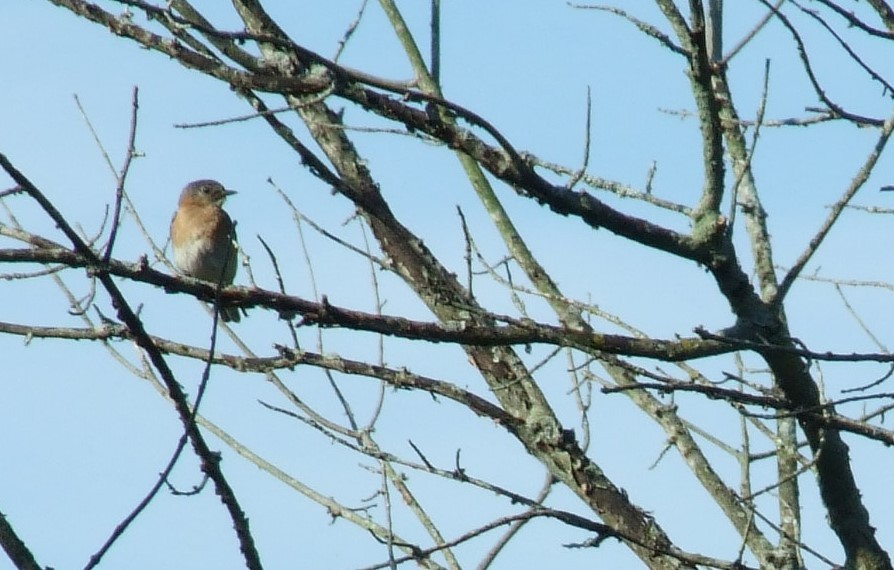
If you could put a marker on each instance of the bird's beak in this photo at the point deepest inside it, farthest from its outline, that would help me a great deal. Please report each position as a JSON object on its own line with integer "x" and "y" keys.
{"x": 229, "y": 192}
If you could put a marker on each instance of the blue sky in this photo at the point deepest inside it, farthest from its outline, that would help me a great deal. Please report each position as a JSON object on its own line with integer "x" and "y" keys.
{"x": 83, "y": 439}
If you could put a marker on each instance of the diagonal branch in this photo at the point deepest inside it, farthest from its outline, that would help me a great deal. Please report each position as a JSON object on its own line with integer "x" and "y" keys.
{"x": 15, "y": 548}
{"x": 210, "y": 462}
{"x": 856, "y": 183}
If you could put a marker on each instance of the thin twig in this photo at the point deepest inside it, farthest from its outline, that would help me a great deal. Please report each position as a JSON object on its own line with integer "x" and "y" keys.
{"x": 888, "y": 87}
{"x": 436, "y": 41}
{"x": 280, "y": 284}
{"x": 750, "y": 35}
{"x": 349, "y": 32}
{"x": 587, "y": 126}
{"x": 130, "y": 153}
{"x": 858, "y": 181}
{"x": 746, "y": 168}
{"x": 379, "y": 305}
{"x": 811, "y": 75}
{"x": 119, "y": 529}
{"x": 644, "y": 27}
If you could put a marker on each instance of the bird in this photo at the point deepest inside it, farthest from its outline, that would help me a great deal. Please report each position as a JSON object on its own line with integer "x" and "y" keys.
{"x": 203, "y": 237}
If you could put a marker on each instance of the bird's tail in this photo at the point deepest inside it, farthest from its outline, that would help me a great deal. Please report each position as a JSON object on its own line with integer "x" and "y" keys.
{"x": 230, "y": 314}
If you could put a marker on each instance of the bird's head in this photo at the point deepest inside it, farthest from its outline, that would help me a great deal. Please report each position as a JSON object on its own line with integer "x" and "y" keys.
{"x": 205, "y": 192}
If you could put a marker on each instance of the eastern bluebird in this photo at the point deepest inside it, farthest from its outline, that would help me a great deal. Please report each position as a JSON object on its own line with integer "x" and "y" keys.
{"x": 203, "y": 237}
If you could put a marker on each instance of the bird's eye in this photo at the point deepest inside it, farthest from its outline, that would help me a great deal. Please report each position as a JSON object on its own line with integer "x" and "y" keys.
{"x": 206, "y": 189}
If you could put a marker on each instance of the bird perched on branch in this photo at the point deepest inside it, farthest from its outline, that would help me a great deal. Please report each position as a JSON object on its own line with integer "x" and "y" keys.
{"x": 203, "y": 237}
